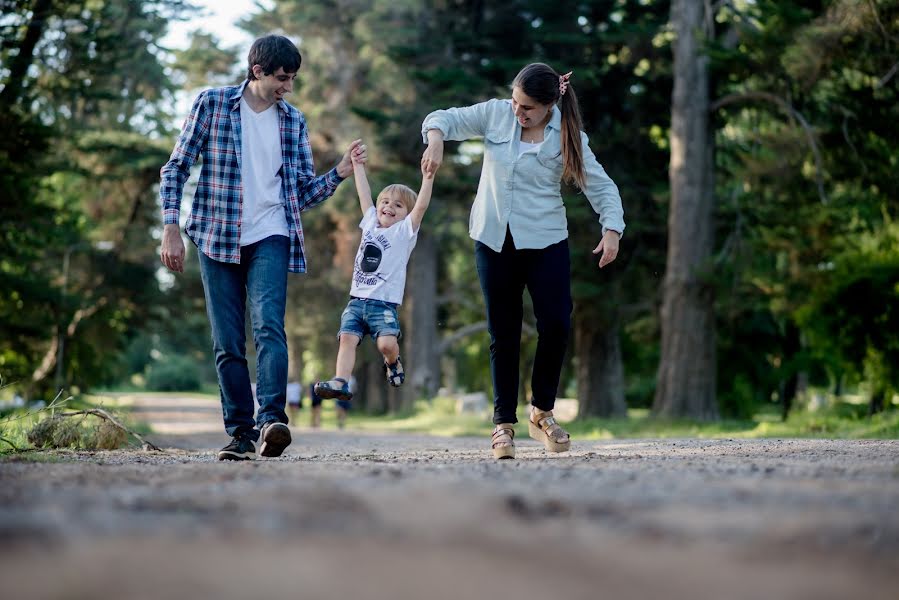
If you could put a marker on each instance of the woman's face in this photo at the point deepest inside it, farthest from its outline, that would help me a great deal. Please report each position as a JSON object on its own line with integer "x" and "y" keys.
{"x": 528, "y": 111}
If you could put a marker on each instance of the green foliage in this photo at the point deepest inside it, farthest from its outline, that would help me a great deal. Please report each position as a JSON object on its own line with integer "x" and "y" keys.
{"x": 77, "y": 258}
{"x": 174, "y": 374}
{"x": 853, "y": 318}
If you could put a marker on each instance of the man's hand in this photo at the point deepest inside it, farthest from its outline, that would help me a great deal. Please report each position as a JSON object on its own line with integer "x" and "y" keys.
{"x": 433, "y": 154}
{"x": 172, "y": 253}
{"x": 608, "y": 247}
{"x": 345, "y": 166}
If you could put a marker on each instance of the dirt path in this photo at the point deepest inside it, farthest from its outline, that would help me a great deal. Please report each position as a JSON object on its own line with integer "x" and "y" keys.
{"x": 362, "y": 515}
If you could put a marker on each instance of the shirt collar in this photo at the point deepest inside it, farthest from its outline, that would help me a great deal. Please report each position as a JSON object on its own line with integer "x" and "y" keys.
{"x": 238, "y": 92}
{"x": 555, "y": 121}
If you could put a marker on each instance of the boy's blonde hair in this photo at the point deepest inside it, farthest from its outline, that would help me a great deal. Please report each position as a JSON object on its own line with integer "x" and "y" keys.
{"x": 404, "y": 193}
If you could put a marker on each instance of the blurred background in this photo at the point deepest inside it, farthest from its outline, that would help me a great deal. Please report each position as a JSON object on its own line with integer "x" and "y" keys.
{"x": 791, "y": 300}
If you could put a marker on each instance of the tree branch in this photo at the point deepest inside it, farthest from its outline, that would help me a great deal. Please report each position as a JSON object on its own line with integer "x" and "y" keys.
{"x": 97, "y": 412}
{"x": 787, "y": 108}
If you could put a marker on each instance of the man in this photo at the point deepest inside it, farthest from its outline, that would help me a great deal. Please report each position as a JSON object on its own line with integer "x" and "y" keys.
{"x": 256, "y": 179}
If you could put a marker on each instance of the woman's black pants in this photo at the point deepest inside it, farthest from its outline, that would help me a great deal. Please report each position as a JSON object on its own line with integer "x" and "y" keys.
{"x": 504, "y": 276}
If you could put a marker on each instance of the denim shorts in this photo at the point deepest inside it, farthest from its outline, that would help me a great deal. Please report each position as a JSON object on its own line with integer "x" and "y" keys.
{"x": 364, "y": 316}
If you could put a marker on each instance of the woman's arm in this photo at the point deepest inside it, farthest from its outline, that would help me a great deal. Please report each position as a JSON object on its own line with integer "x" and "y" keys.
{"x": 460, "y": 123}
{"x": 601, "y": 191}
{"x": 605, "y": 199}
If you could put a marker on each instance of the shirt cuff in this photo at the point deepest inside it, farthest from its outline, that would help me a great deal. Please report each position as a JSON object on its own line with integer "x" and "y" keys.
{"x": 619, "y": 229}
{"x": 426, "y": 127}
{"x": 170, "y": 216}
{"x": 333, "y": 178}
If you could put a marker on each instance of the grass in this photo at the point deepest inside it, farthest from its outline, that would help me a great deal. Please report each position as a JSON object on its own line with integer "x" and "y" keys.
{"x": 15, "y": 424}
{"x": 842, "y": 421}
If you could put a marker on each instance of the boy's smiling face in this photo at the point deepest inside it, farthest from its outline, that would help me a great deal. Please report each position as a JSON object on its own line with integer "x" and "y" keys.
{"x": 391, "y": 209}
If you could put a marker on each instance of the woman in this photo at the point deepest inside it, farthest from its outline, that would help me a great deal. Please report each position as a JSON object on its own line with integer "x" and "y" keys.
{"x": 531, "y": 144}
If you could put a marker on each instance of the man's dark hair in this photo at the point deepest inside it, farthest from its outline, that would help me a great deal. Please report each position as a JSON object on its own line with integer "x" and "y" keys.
{"x": 272, "y": 52}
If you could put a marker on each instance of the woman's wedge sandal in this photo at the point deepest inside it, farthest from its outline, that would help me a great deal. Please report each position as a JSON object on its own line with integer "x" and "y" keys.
{"x": 503, "y": 441}
{"x": 542, "y": 427}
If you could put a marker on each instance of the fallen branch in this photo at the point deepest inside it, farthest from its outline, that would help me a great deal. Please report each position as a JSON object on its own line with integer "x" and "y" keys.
{"x": 97, "y": 412}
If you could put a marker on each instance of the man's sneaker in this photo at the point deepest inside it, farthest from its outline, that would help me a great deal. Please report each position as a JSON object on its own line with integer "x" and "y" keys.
{"x": 275, "y": 438}
{"x": 240, "y": 448}
{"x": 395, "y": 374}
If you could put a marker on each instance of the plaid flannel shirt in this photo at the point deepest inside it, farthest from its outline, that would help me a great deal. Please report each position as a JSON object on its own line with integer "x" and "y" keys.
{"x": 213, "y": 130}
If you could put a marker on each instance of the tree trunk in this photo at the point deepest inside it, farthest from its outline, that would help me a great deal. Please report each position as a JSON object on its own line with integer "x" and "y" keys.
{"x": 420, "y": 348}
{"x": 371, "y": 384}
{"x": 877, "y": 400}
{"x": 18, "y": 66}
{"x": 686, "y": 377}
{"x": 600, "y": 372}
{"x": 792, "y": 346}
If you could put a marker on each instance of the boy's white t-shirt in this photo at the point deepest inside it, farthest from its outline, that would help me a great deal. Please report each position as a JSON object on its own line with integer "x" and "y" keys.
{"x": 380, "y": 269}
{"x": 263, "y": 213}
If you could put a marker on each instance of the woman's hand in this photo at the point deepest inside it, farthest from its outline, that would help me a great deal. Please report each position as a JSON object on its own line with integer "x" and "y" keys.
{"x": 608, "y": 247}
{"x": 433, "y": 154}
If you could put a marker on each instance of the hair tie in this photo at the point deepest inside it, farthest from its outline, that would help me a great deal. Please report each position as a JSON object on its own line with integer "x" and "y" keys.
{"x": 563, "y": 82}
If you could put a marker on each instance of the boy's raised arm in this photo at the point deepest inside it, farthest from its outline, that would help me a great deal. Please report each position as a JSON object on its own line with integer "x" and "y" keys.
{"x": 424, "y": 198}
{"x": 362, "y": 188}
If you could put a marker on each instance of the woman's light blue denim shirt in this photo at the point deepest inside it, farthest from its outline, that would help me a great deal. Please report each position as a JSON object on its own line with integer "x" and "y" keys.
{"x": 523, "y": 192}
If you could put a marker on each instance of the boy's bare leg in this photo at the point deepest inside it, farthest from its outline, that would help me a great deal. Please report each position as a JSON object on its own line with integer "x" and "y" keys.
{"x": 346, "y": 355}
{"x": 315, "y": 417}
{"x": 389, "y": 347}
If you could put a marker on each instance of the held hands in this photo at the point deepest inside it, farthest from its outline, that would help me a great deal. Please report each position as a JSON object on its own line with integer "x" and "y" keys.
{"x": 172, "y": 252}
{"x": 425, "y": 174}
{"x": 608, "y": 247}
{"x": 359, "y": 155}
{"x": 345, "y": 166}
{"x": 433, "y": 154}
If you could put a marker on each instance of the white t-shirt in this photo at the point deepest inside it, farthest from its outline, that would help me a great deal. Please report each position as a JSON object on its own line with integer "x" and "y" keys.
{"x": 525, "y": 147}
{"x": 263, "y": 212}
{"x": 380, "y": 269}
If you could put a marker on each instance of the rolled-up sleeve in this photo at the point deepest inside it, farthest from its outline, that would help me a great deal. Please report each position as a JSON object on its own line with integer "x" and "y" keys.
{"x": 176, "y": 171}
{"x": 460, "y": 123}
{"x": 601, "y": 191}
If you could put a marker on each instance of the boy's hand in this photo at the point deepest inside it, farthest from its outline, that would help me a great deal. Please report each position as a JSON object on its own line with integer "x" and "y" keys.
{"x": 426, "y": 174}
{"x": 345, "y": 166}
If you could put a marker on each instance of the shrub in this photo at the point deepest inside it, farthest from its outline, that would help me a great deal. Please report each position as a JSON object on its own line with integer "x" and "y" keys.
{"x": 176, "y": 374}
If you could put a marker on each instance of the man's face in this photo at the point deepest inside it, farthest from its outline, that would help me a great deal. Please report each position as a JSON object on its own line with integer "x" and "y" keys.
{"x": 273, "y": 87}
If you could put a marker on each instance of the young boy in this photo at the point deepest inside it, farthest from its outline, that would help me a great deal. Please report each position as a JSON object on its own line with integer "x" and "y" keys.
{"x": 389, "y": 232}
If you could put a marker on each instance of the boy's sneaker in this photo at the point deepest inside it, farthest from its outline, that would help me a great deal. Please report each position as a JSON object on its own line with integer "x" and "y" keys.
{"x": 395, "y": 374}
{"x": 336, "y": 388}
{"x": 275, "y": 438}
{"x": 240, "y": 448}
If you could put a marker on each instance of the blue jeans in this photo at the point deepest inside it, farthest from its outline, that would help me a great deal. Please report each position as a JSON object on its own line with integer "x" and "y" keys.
{"x": 547, "y": 275}
{"x": 260, "y": 277}
{"x": 372, "y": 317}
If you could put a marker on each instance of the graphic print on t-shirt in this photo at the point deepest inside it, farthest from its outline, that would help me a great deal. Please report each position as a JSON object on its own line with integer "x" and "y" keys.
{"x": 369, "y": 259}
